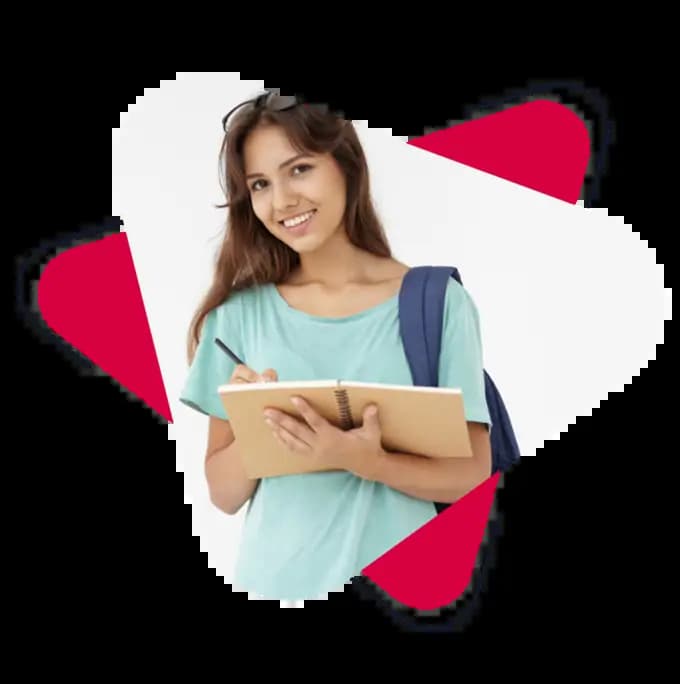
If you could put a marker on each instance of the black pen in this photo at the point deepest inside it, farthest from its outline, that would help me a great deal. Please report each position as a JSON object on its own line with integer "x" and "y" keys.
{"x": 228, "y": 351}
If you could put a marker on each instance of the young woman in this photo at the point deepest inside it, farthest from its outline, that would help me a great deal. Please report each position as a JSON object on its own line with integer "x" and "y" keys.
{"x": 305, "y": 288}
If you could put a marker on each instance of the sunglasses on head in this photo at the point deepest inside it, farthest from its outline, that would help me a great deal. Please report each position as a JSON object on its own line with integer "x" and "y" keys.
{"x": 269, "y": 100}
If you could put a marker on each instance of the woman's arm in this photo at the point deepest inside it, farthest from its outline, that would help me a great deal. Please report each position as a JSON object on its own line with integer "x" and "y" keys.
{"x": 228, "y": 483}
{"x": 435, "y": 479}
{"x": 360, "y": 452}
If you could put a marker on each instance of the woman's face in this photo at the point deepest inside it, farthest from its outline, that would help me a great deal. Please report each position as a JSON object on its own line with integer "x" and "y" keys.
{"x": 284, "y": 185}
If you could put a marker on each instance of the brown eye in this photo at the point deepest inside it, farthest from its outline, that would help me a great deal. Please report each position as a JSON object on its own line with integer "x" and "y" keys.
{"x": 303, "y": 168}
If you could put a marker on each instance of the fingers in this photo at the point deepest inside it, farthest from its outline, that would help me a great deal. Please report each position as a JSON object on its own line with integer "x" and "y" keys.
{"x": 371, "y": 420}
{"x": 313, "y": 419}
{"x": 372, "y": 417}
{"x": 371, "y": 413}
{"x": 269, "y": 375}
{"x": 291, "y": 441}
{"x": 289, "y": 428}
{"x": 244, "y": 374}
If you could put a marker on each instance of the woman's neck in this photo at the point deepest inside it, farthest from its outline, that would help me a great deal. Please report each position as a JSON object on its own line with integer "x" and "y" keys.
{"x": 335, "y": 265}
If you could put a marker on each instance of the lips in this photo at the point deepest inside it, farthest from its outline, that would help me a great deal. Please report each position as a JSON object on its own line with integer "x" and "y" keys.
{"x": 310, "y": 212}
{"x": 301, "y": 228}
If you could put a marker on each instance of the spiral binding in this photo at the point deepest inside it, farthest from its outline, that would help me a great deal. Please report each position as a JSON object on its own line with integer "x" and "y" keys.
{"x": 344, "y": 409}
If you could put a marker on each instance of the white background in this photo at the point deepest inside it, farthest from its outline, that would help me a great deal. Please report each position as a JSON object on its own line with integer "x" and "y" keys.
{"x": 571, "y": 301}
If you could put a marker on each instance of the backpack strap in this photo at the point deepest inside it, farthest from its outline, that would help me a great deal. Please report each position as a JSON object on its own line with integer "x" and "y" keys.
{"x": 421, "y": 318}
{"x": 421, "y": 315}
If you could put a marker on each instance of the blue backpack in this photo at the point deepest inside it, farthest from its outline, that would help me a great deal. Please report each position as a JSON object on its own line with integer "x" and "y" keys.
{"x": 421, "y": 311}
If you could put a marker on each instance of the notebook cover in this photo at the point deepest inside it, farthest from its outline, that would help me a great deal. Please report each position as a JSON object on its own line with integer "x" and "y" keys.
{"x": 421, "y": 420}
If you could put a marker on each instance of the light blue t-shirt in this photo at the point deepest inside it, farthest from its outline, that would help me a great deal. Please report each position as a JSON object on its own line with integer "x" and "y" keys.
{"x": 305, "y": 535}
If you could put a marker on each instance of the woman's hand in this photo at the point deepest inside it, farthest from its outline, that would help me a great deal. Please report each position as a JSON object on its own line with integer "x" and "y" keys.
{"x": 243, "y": 373}
{"x": 358, "y": 451}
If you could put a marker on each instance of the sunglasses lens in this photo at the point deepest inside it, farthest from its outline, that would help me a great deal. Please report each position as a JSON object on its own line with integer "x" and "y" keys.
{"x": 281, "y": 102}
{"x": 273, "y": 101}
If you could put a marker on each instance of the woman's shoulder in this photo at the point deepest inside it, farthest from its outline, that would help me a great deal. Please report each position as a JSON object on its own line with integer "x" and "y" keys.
{"x": 455, "y": 291}
{"x": 459, "y": 302}
{"x": 388, "y": 272}
{"x": 237, "y": 302}
{"x": 456, "y": 294}
{"x": 392, "y": 268}
{"x": 243, "y": 295}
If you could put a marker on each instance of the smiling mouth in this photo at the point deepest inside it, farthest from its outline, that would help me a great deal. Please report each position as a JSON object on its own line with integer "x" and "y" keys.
{"x": 298, "y": 220}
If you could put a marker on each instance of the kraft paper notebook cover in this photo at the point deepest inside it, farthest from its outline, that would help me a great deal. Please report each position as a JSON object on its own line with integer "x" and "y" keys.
{"x": 428, "y": 421}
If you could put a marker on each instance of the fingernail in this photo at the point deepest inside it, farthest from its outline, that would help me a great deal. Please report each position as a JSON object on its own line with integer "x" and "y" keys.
{"x": 295, "y": 401}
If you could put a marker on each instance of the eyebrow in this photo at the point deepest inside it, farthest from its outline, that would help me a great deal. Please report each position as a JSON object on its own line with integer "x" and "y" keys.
{"x": 281, "y": 166}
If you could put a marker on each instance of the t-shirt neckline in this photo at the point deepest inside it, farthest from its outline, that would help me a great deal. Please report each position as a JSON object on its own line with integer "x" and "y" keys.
{"x": 283, "y": 304}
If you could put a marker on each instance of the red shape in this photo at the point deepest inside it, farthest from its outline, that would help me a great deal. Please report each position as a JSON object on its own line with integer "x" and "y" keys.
{"x": 541, "y": 145}
{"x": 90, "y": 296}
{"x": 431, "y": 567}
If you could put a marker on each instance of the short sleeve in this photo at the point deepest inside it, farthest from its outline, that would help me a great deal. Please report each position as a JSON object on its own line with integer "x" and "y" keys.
{"x": 461, "y": 362}
{"x": 211, "y": 367}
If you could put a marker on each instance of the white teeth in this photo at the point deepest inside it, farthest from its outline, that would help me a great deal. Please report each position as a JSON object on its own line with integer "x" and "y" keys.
{"x": 297, "y": 221}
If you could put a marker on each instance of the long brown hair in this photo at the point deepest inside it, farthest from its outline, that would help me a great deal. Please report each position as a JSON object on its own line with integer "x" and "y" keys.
{"x": 250, "y": 254}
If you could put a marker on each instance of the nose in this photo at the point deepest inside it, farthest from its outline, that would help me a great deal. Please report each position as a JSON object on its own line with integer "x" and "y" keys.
{"x": 283, "y": 199}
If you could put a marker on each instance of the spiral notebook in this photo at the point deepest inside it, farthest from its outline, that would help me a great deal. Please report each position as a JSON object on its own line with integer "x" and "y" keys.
{"x": 428, "y": 421}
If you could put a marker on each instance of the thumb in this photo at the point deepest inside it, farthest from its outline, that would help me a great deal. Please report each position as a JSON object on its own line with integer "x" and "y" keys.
{"x": 371, "y": 420}
{"x": 269, "y": 375}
